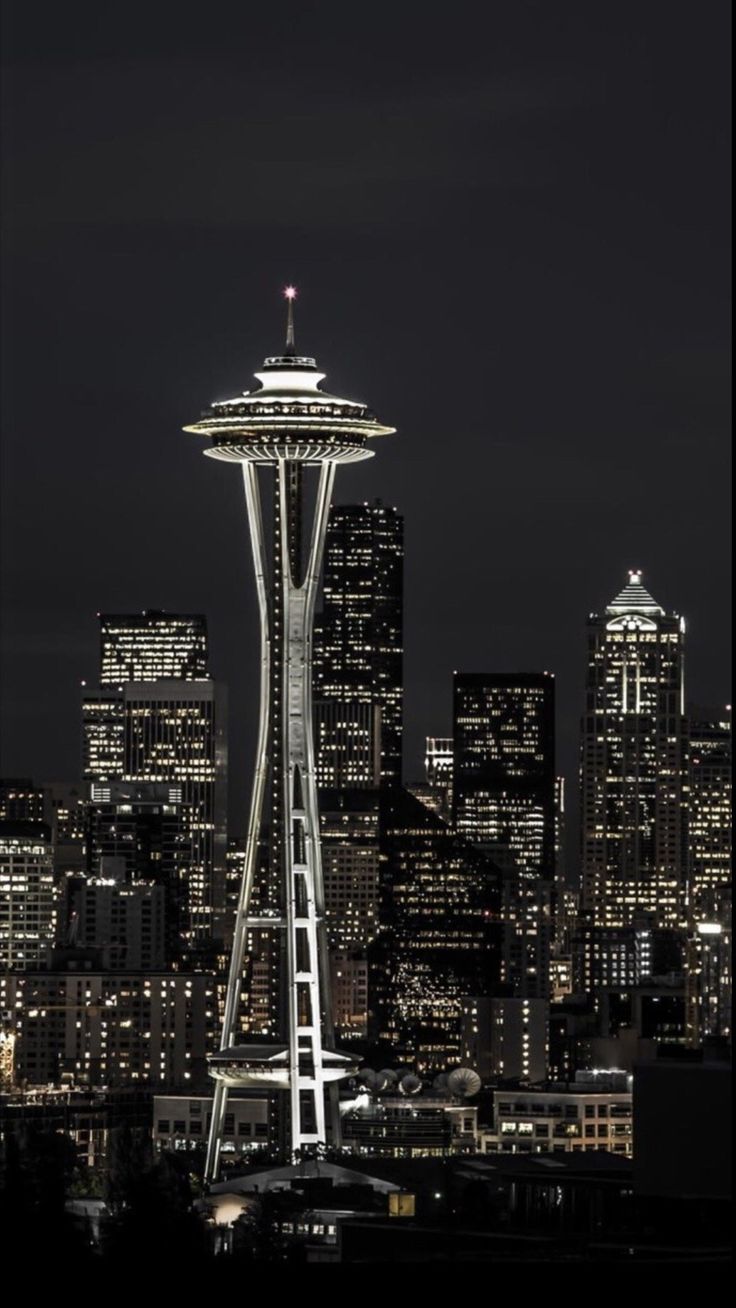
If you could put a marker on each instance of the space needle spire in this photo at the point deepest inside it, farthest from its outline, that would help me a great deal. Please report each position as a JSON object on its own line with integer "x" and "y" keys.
{"x": 281, "y": 433}
{"x": 290, "y": 294}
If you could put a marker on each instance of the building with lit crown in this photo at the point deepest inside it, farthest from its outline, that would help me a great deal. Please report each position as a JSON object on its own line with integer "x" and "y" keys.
{"x": 152, "y": 646}
{"x": 634, "y": 762}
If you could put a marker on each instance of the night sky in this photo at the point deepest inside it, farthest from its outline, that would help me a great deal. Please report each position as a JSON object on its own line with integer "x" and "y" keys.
{"x": 509, "y": 224}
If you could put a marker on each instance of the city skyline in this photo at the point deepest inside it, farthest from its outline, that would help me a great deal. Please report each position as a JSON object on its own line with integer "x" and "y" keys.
{"x": 563, "y": 329}
{"x": 365, "y": 833}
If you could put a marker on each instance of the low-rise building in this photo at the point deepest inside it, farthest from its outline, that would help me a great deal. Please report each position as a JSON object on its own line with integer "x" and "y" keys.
{"x": 110, "y": 1028}
{"x": 183, "y": 1122}
{"x": 592, "y": 1113}
{"x": 424, "y": 1126}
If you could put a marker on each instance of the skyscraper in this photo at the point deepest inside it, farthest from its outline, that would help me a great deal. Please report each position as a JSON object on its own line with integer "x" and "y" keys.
{"x": 709, "y": 817}
{"x": 349, "y": 829}
{"x": 284, "y": 427}
{"x": 164, "y": 729}
{"x": 504, "y": 803}
{"x": 439, "y": 934}
{"x": 152, "y": 646}
{"x": 634, "y": 765}
{"x": 436, "y": 789}
{"x": 359, "y": 644}
{"x": 141, "y": 832}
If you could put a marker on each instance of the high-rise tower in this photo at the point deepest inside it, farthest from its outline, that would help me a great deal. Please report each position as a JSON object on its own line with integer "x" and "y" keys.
{"x": 504, "y": 802}
{"x": 158, "y": 718}
{"x": 359, "y": 687}
{"x": 634, "y": 764}
{"x": 284, "y": 428}
{"x": 152, "y": 646}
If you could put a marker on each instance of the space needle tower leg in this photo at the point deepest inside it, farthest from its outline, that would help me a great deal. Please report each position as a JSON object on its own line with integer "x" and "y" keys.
{"x": 240, "y": 935}
{"x": 308, "y": 981}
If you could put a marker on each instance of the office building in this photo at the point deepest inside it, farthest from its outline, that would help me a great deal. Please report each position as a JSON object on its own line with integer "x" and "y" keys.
{"x": 349, "y": 831}
{"x": 634, "y": 762}
{"x": 439, "y": 936}
{"x": 141, "y": 831}
{"x": 592, "y": 1113}
{"x": 153, "y": 646}
{"x": 183, "y": 1122}
{"x": 709, "y": 975}
{"x": 125, "y": 922}
{"x": 436, "y": 789}
{"x": 22, "y": 801}
{"x": 111, "y": 1028}
{"x": 710, "y": 841}
{"x": 169, "y": 734}
{"x": 359, "y": 646}
{"x": 506, "y": 1038}
{"x": 28, "y": 898}
{"x": 504, "y": 802}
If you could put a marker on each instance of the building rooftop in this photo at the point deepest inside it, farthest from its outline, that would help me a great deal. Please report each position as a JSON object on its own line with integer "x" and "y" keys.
{"x": 634, "y": 598}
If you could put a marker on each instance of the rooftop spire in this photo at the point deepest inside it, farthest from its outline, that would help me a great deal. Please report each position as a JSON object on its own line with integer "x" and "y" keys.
{"x": 290, "y": 296}
{"x": 634, "y": 598}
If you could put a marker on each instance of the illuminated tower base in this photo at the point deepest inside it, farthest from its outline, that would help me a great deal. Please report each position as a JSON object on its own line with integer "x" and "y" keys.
{"x": 288, "y": 425}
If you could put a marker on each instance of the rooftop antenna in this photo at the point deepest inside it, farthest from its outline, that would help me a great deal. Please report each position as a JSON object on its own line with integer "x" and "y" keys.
{"x": 290, "y": 296}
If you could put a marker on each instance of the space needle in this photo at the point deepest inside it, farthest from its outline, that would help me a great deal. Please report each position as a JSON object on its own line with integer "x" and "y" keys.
{"x": 278, "y": 433}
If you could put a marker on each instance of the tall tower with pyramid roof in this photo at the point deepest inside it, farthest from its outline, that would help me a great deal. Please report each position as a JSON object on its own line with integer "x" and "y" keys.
{"x": 634, "y": 771}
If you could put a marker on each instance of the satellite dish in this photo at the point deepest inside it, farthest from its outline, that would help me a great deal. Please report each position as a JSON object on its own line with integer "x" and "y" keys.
{"x": 382, "y": 1082}
{"x": 410, "y": 1084}
{"x": 464, "y": 1082}
{"x": 391, "y": 1076}
{"x": 440, "y": 1082}
{"x": 367, "y": 1078}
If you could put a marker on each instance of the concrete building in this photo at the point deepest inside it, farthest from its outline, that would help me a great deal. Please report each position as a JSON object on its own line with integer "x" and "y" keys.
{"x": 504, "y": 802}
{"x": 126, "y": 922}
{"x": 110, "y": 1028}
{"x": 421, "y": 1126}
{"x": 183, "y": 1122}
{"x": 28, "y": 898}
{"x": 506, "y": 1038}
{"x": 592, "y": 1113}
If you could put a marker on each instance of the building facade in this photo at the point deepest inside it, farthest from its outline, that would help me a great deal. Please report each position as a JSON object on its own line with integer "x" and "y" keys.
{"x": 169, "y": 734}
{"x": 710, "y": 828}
{"x": 634, "y": 762}
{"x": 359, "y": 646}
{"x": 439, "y": 936}
{"x": 125, "y": 922}
{"x": 506, "y": 1038}
{"x": 504, "y": 802}
{"x": 593, "y": 1113}
{"x": 153, "y": 646}
{"x": 111, "y": 1028}
{"x": 28, "y": 897}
